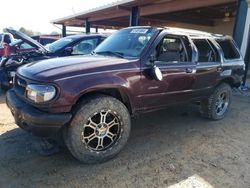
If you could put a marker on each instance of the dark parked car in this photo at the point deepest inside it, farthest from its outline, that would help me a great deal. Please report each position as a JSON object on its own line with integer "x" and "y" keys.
{"x": 89, "y": 99}
{"x": 27, "y": 50}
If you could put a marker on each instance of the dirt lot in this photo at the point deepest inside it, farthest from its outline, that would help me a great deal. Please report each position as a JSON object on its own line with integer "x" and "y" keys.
{"x": 165, "y": 148}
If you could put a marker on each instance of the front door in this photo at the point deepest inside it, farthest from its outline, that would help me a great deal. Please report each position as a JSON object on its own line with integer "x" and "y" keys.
{"x": 172, "y": 57}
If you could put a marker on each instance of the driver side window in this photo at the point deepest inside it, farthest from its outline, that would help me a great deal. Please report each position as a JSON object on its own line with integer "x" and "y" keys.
{"x": 85, "y": 47}
{"x": 170, "y": 50}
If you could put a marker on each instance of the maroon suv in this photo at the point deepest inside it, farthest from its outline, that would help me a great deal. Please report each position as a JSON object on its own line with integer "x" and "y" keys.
{"x": 90, "y": 99}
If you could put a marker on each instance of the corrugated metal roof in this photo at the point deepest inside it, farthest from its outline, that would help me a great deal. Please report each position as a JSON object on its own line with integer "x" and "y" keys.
{"x": 153, "y": 12}
{"x": 90, "y": 11}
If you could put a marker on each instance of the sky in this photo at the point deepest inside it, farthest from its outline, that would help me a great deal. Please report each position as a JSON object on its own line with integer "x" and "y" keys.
{"x": 36, "y": 15}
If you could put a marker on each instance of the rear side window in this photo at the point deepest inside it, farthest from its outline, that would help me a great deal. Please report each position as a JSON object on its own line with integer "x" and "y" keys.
{"x": 206, "y": 51}
{"x": 229, "y": 49}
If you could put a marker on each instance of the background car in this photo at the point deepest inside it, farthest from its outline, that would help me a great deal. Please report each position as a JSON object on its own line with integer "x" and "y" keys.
{"x": 27, "y": 50}
{"x": 74, "y": 45}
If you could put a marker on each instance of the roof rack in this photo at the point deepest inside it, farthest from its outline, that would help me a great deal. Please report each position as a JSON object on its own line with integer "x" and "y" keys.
{"x": 192, "y": 32}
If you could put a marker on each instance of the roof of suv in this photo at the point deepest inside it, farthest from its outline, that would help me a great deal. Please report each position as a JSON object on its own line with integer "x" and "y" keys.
{"x": 192, "y": 32}
{"x": 182, "y": 31}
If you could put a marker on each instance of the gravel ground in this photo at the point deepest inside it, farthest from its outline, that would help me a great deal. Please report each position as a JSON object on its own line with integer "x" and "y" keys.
{"x": 165, "y": 148}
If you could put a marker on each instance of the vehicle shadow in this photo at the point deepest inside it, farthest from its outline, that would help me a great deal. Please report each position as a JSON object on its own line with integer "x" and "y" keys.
{"x": 2, "y": 97}
{"x": 20, "y": 151}
{"x": 160, "y": 143}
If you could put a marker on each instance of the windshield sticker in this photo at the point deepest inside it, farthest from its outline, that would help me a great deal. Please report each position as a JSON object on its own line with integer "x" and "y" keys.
{"x": 141, "y": 31}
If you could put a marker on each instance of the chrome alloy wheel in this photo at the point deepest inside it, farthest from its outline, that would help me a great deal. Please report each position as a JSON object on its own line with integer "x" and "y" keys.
{"x": 222, "y": 103}
{"x": 102, "y": 130}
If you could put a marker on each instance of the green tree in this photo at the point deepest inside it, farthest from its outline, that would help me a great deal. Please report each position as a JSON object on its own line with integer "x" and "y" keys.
{"x": 27, "y": 32}
{"x": 54, "y": 33}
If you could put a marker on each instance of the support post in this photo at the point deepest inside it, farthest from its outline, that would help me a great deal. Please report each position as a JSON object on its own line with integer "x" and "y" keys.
{"x": 247, "y": 59}
{"x": 134, "y": 16}
{"x": 87, "y": 26}
{"x": 96, "y": 29}
{"x": 64, "y": 31}
{"x": 240, "y": 21}
{"x": 241, "y": 34}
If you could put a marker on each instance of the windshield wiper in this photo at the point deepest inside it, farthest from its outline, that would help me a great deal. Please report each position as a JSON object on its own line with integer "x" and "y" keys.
{"x": 117, "y": 54}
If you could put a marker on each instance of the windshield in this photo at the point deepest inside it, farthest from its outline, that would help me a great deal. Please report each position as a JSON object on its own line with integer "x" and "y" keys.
{"x": 126, "y": 43}
{"x": 57, "y": 45}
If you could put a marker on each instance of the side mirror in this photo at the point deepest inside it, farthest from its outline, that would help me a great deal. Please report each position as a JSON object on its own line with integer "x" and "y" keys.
{"x": 68, "y": 51}
{"x": 156, "y": 73}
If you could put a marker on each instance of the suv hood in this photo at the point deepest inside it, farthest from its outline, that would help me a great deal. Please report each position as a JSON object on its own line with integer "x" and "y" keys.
{"x": 58, "y": 68}
{"x": 27, "y": 39}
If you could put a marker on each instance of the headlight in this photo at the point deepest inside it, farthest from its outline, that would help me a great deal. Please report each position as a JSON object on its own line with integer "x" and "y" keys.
{"x": 40, "y": 93}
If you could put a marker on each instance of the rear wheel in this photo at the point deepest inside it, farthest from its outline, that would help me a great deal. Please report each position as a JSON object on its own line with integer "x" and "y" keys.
{"x": 99, "y": 129}
{"x": 217, "y": 105}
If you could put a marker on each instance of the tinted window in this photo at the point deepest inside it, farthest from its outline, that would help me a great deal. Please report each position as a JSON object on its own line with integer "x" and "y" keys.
{"x": 85, "y": 47}
{"x": 229, "y": 49}
{"x": 170, "y": 49}
{"x": 45, "y": 41}
{"x": 7, "y": 39}
{"x": 206, "y": 52}
{"x": 126, "y": 42}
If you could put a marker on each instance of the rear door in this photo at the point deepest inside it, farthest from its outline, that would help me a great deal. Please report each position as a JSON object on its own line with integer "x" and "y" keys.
{"x": 208, "y": 67}
{"x": 174, "y": 61}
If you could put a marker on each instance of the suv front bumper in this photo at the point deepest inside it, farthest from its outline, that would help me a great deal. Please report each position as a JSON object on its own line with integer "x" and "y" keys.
{"x": 33, "y": 120}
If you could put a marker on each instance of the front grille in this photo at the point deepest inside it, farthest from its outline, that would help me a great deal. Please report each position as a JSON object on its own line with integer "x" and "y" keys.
{"x": 20, "y": 86}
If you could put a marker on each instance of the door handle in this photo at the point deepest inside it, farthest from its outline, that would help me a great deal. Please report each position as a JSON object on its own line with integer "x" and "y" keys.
{"x": 190, "y": 70}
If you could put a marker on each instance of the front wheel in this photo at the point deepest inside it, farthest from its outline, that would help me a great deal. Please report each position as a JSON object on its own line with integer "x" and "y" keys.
{"x": 99, "y": 129}
{"x": 217, "y": 105}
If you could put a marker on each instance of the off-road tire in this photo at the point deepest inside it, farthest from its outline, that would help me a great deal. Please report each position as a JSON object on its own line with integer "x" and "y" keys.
{"x": 208, "y": 106}
{"x": 74, "y": 132}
